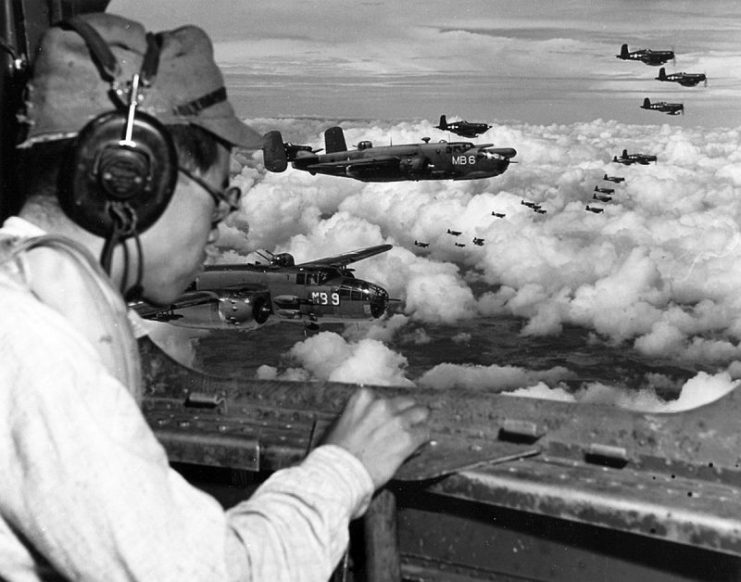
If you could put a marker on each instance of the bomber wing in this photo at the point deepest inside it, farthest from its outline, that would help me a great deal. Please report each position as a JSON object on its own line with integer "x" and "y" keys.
{"x": 189, "y": 299}
{"x": 347, "y": 258}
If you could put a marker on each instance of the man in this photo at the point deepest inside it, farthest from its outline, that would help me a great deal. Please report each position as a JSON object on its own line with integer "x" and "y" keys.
{"x": 86, "y": 492}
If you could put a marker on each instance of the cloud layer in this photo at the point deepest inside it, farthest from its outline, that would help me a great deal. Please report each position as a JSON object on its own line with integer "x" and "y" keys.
{"x": 659, "y": 270}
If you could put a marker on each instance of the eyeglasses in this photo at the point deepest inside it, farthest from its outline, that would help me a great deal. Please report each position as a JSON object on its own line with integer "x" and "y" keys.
{"x": 225, "y": 201}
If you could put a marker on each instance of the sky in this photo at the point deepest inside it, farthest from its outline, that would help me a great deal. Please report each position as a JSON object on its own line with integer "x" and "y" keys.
{"x": 536, "y": 61}
{"x": 658, "y": 271}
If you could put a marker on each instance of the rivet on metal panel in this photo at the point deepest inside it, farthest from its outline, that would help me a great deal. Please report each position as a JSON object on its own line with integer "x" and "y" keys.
{"x": 520, "y": 430}
{"x": 206, "y": 400}
{"x": 607, "y": 455}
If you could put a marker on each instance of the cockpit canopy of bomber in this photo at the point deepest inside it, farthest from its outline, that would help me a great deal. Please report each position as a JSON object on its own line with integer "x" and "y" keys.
{"x": 365, "y": 145}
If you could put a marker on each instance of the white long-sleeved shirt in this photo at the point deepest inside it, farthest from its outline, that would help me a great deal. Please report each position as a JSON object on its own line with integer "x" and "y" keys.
{"x": 86, "y": 492}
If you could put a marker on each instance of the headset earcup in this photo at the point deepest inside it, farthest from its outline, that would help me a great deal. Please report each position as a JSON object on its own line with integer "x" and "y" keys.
{"x": 108, "y": 171}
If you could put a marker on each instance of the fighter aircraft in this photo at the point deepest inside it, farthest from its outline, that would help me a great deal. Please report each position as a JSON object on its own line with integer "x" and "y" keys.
{"x": 627, "y": 160}
{"x": 615, "y": 179}
{"x": 479, "y": 242}
{"x": 498, "y": 214}
{"x": 601, "y": 197}
{"x": 648, "y": 56}
{"x": 663, "y": 106}
{"x": 533, "y": 205}
{"x": 595, "y": 209}
{"x": 460, "y": 244}
{"x": 463, "y": 128}
{"x": 455, "y": 232}
{"x": 539, "y": 210}
{"x": 423, "y": 245}
{"x": 607, "y": 191}
{"x": 419, "y": 161}
{"x": 244, "y": 296}
{"x": 684, "y": 79}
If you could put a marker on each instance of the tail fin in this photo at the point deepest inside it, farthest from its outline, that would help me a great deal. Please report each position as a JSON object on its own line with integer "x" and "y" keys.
{"x": 624, "y": 54}
{"x": 274, "y": 152}
{"x": 334, "y": 140}
{"x": 646, "y": 103}
{"x": 625, "y": 153}
{"x": 662, "y": 74}
{"x": 443, "y": 122}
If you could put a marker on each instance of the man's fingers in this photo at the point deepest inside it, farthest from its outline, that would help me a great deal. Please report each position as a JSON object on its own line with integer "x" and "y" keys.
{"x": 401, "y": 403}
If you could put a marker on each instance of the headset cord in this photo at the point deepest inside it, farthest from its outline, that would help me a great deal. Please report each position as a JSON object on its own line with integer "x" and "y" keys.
{"x": 124, "y": 226}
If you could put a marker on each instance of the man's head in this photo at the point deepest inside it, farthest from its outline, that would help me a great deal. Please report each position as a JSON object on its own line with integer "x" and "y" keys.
{"x": 86, "y": 71}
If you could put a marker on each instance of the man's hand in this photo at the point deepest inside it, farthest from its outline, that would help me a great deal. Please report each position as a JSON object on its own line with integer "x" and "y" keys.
{"x": 380, "y": 432}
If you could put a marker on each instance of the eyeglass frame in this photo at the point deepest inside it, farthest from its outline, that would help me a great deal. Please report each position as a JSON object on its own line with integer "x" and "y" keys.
{"x": 229, "y": 196}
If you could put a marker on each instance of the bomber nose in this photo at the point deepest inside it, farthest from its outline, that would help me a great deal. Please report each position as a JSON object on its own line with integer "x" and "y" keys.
{"x": 379, "y": 302}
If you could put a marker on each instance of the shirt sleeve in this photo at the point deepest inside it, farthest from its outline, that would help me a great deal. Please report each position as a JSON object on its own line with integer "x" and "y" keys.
{"x": 88, "y": 487}
{"x": 300, "y": 516}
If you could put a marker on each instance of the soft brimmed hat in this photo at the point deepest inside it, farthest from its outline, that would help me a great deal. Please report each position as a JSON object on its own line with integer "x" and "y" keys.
{"x": 67, "y": 88}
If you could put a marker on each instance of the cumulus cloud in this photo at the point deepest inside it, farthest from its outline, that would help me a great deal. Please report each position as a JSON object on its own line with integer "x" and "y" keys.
{"x": 492, "y": 378}
{"x": 328, "y": 356}
{"x": 697, "y": 391}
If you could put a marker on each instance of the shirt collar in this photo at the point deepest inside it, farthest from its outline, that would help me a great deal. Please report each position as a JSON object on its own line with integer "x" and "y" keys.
{"x": 20, "y": 227}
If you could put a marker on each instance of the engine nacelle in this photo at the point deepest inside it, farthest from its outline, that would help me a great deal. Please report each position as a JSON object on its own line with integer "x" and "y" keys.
{"x": 242, "y": 310}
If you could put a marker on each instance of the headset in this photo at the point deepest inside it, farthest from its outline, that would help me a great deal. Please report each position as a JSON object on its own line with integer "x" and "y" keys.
{"x": 123, "y": 164}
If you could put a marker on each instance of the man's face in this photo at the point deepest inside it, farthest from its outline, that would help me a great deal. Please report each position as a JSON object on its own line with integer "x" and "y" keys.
{"x": 174, "y": 247}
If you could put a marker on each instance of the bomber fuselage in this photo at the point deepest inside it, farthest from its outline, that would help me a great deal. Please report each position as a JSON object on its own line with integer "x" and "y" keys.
{"x": 316, "y": 293}
{"x": 423, "y": 161}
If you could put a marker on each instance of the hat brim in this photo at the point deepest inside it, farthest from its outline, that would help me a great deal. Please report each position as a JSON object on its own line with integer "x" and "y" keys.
{"x": 232, "y": 131}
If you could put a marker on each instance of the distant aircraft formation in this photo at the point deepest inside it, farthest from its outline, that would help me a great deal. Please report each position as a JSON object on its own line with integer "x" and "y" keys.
{"x": 604, "y": 194}
{"x": 656, "y": 58}
{"x": 246, "y": 296}
{"x": 477, "y": 241}
{"x": 418, "y": 161}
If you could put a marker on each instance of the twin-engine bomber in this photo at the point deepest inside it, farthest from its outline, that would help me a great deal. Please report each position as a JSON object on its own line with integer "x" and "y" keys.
{"x": 245, "y": 296}
{"x": 420, "y": 161}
